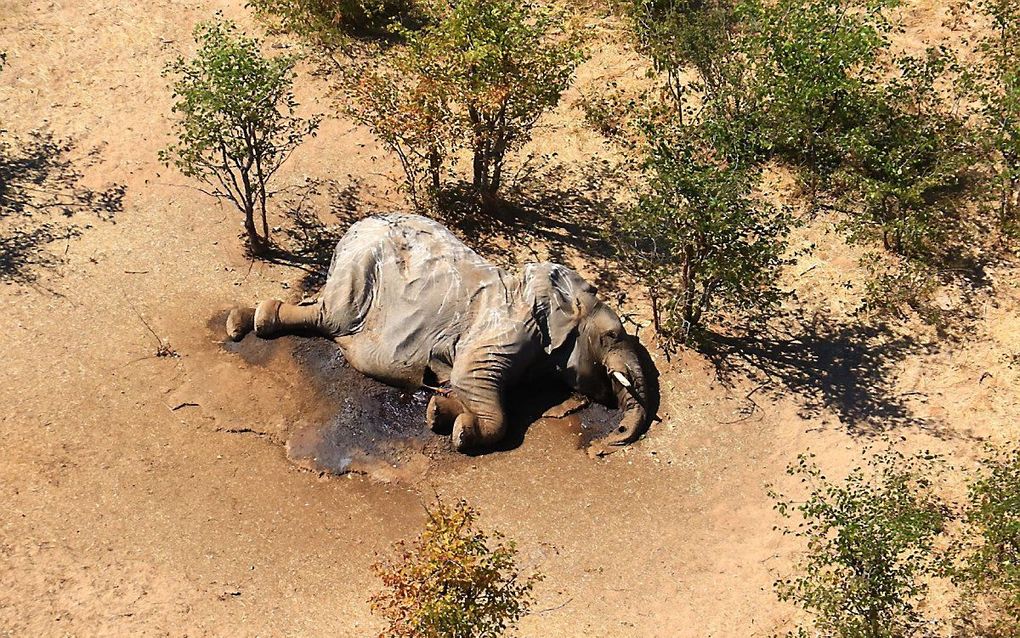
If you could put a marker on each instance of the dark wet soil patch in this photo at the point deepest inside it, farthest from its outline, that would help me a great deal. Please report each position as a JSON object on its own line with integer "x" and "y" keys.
{"x": 365, "y": 426}
{"x": 368, "y": 427}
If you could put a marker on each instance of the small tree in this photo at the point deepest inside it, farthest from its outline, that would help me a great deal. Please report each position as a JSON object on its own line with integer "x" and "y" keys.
{"x": 412, "y": 117}
{"x": 996, "y": 85}
{"x": 989, "y": 569}
{"x": 452, "y": 582}
{"x": 700, "y": 239}
{"x": 679, "y": 35}
{"x": 869, "y": 545}
{"x": 477, "y": 76}
{"x": 236, "y": 123}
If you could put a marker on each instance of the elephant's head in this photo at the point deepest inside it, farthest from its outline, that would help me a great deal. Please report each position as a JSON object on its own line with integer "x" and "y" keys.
{"x": 589, "y": 345}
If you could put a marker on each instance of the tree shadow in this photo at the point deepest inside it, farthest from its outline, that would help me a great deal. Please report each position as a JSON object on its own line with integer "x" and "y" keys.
{"x": 310, "y": 241}
{"x": 565, "y": 220}
{"x": 40, "y": 190}
{"x": 849, "y": 369}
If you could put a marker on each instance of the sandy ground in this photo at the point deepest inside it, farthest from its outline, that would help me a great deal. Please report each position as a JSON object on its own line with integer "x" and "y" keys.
{"x": 125, "y": 510}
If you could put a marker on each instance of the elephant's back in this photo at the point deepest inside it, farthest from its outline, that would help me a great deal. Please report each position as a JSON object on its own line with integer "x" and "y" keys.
{"x": 414, "y": 238}
{"x": 414, "y": 251}
{"x": 401, "y": 291}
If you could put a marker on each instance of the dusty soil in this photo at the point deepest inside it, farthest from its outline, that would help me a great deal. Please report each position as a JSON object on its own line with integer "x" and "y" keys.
{"x": 192, "y": 494}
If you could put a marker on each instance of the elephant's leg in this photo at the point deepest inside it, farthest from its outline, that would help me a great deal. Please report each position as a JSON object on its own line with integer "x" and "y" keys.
{"x": 477, "y": 380}
{"x": 273, "y": 317}
{"x": 442, "y": 412}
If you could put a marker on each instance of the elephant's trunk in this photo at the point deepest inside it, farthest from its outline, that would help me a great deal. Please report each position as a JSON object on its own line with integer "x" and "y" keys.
{"x": 632, "y": 396}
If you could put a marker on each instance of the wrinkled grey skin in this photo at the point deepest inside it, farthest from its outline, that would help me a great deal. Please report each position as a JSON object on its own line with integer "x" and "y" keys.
{"x": 409, "y": 304}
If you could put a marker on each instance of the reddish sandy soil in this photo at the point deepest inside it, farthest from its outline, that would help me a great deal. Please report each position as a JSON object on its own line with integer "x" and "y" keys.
{"x": 154, "y": 496}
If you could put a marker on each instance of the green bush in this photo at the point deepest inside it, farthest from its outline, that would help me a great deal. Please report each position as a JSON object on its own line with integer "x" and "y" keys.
{"x": 813, "y": 62}
{"x": 700, "y": 240}
{"x": 869, "y": 546}
{"x": 704, "y": 242}
{"x": 889, "y": 151}
{"x": 884, "y": 142}
{"x": 906, "y": 168}
{"x": 476, "y": 77}
{"x": 236, "y": 124}
{"x": 677, "y": 34}
{"x": 989, "y": 554}
{"x": 996, "y": 86}
{"x": 452, "y": 581}
{"x": 329, "y": 25}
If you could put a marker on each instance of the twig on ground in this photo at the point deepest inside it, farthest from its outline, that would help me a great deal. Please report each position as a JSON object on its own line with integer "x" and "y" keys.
{"x": 560, "y": 606}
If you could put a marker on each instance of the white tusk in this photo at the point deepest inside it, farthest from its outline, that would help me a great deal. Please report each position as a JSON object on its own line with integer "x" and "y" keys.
{"x": 622, "y": 379}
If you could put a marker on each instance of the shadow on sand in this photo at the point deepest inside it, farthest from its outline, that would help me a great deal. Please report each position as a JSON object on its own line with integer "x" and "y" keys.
{"x": 850, "y": 369}
{"x": 40, "y": 191}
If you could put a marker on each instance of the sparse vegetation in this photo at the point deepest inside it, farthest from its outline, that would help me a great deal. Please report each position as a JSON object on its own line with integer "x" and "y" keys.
{"x": 236, "y": 124}
{"x": 996, "y": 86}
{"x": 700, "y": 240}
{"x": 453, "y": 581}
{"x": 476, "y": 77}
{"x": 329, "y": 25}
{"x": 883, "y": 142}
{"x": 988, "y": 555}
{"x": 870, "y": 541}
{"x": 682, "y": 34}
{"x": 877, "y": 540}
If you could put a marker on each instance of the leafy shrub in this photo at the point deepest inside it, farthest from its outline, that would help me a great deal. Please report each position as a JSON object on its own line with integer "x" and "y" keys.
{"x": 721, "y": 95}
{"x": 905, "y": 172}
{"x": 870, "y": 545}
{"x": 812, "y": 60}
{"x": 677, "y": 34}
{"x": 699, "y": 239}
{"x": 236, "y": 123}
{"x": 329, "y": 24}
{"x": 811, "y": 83}
{"x": 989, "y": 569}
{"x": 891, "y": 150}
{"x": 411, "y": 116}
{"x": 996, "y": 85}
{"x": 477, "y": 77}
{"x": 452, "y": 582}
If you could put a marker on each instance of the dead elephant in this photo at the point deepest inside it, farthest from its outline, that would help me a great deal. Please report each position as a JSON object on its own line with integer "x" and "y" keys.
{"x": 409, "y": 304}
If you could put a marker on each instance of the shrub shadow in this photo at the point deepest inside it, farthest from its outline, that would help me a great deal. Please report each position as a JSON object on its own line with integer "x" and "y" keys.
{"x": 565, "y": 220}
{"x": 310, "y": 240}
{"x": 849, "y": 369}
{"x": 40, "y": 191}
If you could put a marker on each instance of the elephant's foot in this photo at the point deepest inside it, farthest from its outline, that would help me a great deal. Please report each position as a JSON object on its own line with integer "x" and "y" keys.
{"x": 240, "y": 322}
{"x": 264, "y": 319}
{"x": 465, "y": 432}
{"x": 267, "y": 317}
{"x": 441, "y": 413}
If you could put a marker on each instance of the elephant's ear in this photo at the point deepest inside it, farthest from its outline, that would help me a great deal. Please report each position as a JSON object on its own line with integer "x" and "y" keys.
{"x": 560, "y": 299}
